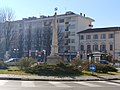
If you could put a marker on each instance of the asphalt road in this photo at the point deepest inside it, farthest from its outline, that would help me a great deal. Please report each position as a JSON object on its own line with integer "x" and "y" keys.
{"x": 118, "y": 69}
{"x": 59, "y": 85}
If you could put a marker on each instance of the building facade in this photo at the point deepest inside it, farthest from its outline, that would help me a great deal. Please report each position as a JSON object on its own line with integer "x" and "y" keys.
{"x": 103, "y": 40}
{"x": 34, "y": 34}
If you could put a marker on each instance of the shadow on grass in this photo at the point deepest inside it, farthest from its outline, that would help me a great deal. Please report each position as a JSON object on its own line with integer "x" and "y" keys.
{"x": 106, "y": 79}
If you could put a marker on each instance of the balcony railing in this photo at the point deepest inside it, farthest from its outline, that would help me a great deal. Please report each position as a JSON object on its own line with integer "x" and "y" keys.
{"x": 66, "y": 36}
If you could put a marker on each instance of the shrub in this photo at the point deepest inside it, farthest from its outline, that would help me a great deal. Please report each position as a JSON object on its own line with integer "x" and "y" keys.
{"x": 66, "y": 69}
{"x": 105, "y": 68}
{"x": 76, "y": 62}
{"x": 26, "y": 62}
{"x": 85, "y": 66}
{"x": 60, "y": 69}
{"x": 3, "y": 65}
{"x": 111, "y": 68}
{"x": 100, "y": 68}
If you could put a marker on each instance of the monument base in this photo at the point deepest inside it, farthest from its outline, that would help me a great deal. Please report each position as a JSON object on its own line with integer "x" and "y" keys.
{"x": 53, "y": 60}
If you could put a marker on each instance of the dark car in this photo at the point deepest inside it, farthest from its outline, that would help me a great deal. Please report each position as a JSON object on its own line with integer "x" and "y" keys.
{"x": 104, "y": 62}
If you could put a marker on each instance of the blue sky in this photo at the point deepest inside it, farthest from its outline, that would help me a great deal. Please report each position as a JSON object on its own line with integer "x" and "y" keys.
{"x": 106, "y": 13}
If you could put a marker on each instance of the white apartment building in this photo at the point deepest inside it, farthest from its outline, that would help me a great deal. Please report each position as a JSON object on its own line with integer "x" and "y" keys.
{"x": 69, "y": 24}
{"x": 100, "y": 40}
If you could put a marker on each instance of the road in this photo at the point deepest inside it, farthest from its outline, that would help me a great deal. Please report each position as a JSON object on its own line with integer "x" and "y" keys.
{"x": 118, "y": 69}
{"x": 59, "y": 85}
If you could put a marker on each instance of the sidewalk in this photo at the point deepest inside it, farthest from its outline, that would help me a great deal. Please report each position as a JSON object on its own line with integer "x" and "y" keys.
{"x": 52, "y": 78}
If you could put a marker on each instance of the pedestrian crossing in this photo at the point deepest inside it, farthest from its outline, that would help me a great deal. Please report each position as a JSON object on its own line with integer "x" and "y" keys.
{"x": 87, "y": 84}
{"x": 27, "y": 84}
{"x": 110, "y": 83}
{"x": 2, "y": 82}
{"x": 59, "y": 84}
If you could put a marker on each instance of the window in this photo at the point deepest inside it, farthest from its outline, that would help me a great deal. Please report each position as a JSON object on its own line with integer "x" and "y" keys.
{"x": 119, "y": 53}
{"x": 72, "y": 40}
{"x": 66, "y": 48}
{"x": 95, "y": 36}
{"x": 61, "y": 21}
{"x": 111, "y": 35}
{"x": 111, "y": 47}
{"x": 66, "y": 22}
{"x": 82, "y": 37}
{"x": 95, "y": 47}
{"x": 67, "y": 41}
{"x": 103, "y": 36}
{"x": 82, "y": 47}
{"x": 88, "y": 48}
{"x": 67, "y": 28}
{"x": 103, "y": 47}
{"x": 88, "y": 36}
{"x": 72, "y": 48}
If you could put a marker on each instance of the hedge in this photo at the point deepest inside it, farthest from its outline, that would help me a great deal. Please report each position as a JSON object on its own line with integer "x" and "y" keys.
{"x": 100, "y": 68}
{"x": 54, "y": 70}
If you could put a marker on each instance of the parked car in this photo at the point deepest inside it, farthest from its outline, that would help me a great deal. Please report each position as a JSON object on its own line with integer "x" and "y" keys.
{"x": 12, "y": 61}
{"x": 104, "y": 62}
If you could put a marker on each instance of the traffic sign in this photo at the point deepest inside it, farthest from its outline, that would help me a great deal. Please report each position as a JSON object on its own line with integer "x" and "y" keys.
{"x": 92, "y": 68}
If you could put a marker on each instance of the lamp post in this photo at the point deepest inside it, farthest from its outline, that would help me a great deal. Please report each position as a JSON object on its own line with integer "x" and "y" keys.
{"x": 44, "y": 51}
{"x": 36, "y": 53}
{"x": 16, "y": 51}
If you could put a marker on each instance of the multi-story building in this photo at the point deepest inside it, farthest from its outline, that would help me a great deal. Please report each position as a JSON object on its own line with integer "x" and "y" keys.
{"x": 36, "y": 32}
{"x": 103, "y": 40}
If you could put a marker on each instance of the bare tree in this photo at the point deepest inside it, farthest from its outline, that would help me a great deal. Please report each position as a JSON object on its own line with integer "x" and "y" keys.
{"x": 38, "y": 39}
{"x": 6, "y": 14}
{"x": 47, "y": 39}
{"x": 6, "y": 18}
{"x": 60, "y": 40}
{"x": 1, "y": 41}
{"x": 21, "y": 43}
{"x": 29, "y": 40}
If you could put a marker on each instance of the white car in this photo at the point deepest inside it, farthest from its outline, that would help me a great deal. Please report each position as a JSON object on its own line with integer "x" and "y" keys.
{"x": 12, "y": 61}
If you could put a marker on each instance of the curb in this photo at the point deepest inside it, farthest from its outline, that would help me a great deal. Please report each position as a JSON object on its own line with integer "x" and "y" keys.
{"x": 32, "y": 79}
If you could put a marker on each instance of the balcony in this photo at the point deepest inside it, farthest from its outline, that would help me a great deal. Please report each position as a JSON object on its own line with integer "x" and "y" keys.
{"x": 66, "y": 36}
{"x": 66, "y": 22}
{"x": 66, "y": 43}
{"x": 66, "y": 51}
{"x": 67, "y": 29}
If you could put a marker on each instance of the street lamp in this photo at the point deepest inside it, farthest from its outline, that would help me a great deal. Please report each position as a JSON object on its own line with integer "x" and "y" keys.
{"x": 36, "y": 53}
{"x": 16, "y": 51}
{"x": 44, "y": 55}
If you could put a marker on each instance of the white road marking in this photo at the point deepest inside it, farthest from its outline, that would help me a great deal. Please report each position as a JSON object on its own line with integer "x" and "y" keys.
{"x": 28, "y": 84}
{"x": 116, "y": 81}
{"x": 59, "y": 84}
{"x": 3, "y": 82}
{"x": 111, "y": 83}
{"x": 88, "y": 84}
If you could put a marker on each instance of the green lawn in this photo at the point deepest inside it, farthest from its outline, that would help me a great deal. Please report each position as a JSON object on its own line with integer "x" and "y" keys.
{"x": 17, "y": 71}
{"x": 13, "y": 70}
{"x": 88, "y": 73}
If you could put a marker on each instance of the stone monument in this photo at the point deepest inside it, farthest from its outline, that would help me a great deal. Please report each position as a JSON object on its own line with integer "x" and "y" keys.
{"x": 54, "y": 58}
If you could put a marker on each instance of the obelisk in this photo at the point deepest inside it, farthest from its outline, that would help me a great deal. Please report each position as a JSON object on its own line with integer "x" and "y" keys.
{"x": 54, "y": 58}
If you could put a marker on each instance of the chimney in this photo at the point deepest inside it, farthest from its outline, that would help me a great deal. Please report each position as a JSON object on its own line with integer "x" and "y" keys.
{"x": 84, "y": 15}
{"x": 80, "y": 14}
